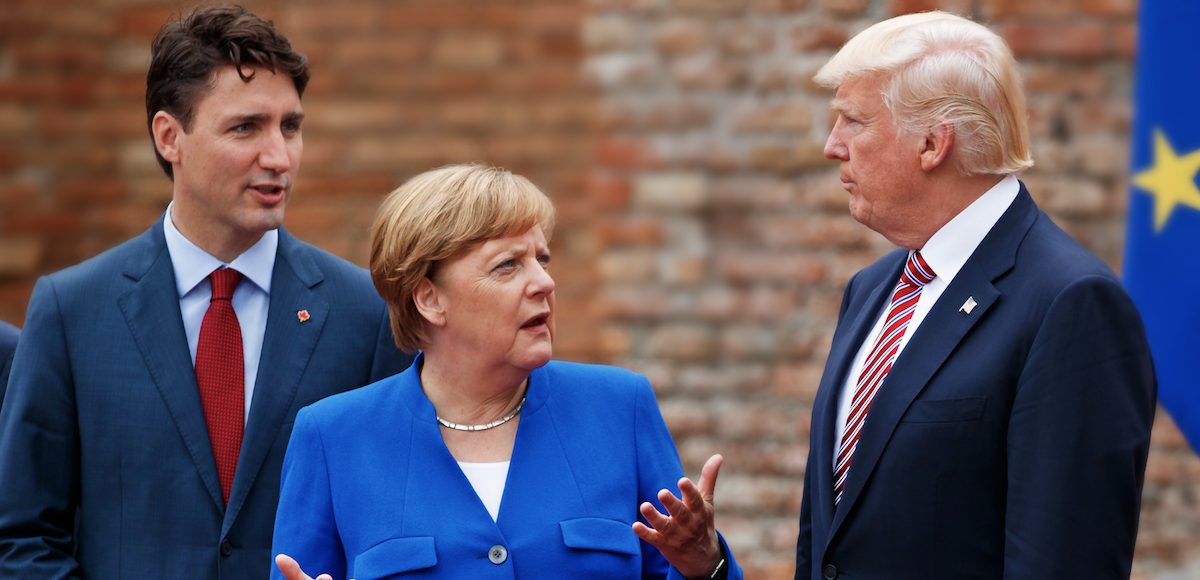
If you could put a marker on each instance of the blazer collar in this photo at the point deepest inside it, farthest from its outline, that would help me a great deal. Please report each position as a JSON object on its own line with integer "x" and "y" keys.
{"x": 412, "y": 395}
{"x": 931, "y": 344}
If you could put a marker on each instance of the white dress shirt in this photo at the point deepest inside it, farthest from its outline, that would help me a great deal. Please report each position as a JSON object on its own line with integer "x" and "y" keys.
{"x": 250, "y": 301}
{"x": 945, "y": 252}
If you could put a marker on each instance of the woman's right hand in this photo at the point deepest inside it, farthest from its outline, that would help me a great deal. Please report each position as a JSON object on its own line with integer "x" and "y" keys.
{"x": 291, "y": 569}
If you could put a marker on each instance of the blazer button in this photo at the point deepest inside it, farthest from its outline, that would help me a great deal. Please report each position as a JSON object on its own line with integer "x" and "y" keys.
{"x": 497, "y": 554}
{"x": 829, "y": 572}
{"x": 226, "y": 547}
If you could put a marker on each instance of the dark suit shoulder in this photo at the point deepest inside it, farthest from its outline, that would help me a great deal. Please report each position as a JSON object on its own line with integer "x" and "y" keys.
{"x": 337, "y": 279}
{"x": 1049, "y": 261}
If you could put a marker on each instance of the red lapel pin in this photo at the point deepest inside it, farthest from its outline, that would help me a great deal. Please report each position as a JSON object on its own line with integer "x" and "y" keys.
{"x": 302, "y": 315}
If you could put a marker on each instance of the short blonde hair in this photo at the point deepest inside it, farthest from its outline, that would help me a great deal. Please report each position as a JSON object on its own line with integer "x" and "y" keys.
{"x": 944, "y": 68}
{"x": 440, "y": 215}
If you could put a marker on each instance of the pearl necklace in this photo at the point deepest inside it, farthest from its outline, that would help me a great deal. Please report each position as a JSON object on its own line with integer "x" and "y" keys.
{"x": 486, "y": 426}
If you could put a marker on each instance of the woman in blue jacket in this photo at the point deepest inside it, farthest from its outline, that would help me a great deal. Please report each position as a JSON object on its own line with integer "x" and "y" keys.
{"x": 485, "y": 459}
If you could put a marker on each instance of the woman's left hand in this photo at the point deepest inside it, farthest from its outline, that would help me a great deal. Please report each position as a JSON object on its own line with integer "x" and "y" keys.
{"x": 687, "y": 537}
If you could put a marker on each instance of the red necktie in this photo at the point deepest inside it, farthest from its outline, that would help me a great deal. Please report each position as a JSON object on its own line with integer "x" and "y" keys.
{"x": 917, "y": 274}
{"x": 221, "y": 376}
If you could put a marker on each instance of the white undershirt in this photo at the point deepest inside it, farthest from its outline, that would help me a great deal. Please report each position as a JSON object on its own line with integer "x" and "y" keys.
{"x": 945, "y": 252}
{"x": 488, "y": 479}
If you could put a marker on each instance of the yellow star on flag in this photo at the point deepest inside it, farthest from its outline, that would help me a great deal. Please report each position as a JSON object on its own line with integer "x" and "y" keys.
{"x": 1171, "y": 180}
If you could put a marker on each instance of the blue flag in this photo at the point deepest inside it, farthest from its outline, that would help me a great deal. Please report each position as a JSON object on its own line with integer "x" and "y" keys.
{"x": 1162, "y": 251}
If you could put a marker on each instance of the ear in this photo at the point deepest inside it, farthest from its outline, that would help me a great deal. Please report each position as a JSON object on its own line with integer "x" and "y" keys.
{"x": 936, "y": 145}
{"x": 429, "y": 303}
{"x": 167, "y": 131}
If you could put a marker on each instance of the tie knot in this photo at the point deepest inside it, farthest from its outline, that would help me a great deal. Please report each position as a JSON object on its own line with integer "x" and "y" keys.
{"x": 224, "y": 282}
{"x": 917, "y": 271}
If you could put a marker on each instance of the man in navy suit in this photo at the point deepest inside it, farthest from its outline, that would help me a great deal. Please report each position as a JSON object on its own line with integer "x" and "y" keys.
{"x": 8, "y": 347}
{"x": 107, "y": 435}
{"x": 986, "y": 407}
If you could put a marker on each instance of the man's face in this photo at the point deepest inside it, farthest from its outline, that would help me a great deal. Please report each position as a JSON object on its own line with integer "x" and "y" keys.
{"x": 880, "y": 168}
{"x": 236, "y": 167}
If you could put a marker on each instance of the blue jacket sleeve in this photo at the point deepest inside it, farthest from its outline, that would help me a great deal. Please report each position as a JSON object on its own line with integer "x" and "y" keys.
{"x": 659, "y": 468}
{"x": 305, "y": 528}
{"x": 39, "y": 449}
{"x": 1078, "y": 438}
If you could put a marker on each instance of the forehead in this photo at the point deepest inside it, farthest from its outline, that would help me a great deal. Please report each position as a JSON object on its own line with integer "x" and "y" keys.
{"x": 267, "y": 93}
{"x": 859, "y": 94}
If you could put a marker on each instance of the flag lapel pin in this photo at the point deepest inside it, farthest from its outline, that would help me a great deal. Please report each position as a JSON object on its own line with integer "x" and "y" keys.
{"x": 302, "y": 315}
{"x": 969, "y": 305}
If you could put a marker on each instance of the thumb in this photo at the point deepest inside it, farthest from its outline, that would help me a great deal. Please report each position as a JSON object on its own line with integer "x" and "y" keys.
{"x": 290, "y": 568}
{"x": 708, "y": 477}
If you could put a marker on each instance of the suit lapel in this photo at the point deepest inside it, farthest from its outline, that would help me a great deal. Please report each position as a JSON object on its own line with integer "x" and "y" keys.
{"x": 151, "y": 310}
{"x": 941, "y": 331}
{"x": 841, "y": 355}
{"x": 287, "y": 347}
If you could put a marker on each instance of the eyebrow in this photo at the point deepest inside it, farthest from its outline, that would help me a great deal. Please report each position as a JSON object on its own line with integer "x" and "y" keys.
{"x": 294, "y": 116}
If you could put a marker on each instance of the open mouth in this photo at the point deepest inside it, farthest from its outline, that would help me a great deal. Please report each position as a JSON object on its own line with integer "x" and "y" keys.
{"x": 268, "y": 189}
{"x": 536, "y": 321}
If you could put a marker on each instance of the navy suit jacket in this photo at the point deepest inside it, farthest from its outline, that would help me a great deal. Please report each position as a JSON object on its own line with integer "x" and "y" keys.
{"x": 370, "y": 490}
{"x": 8, "y": 347}
{"x": 1007, "y": 442}
{"x": 103, "y": 416}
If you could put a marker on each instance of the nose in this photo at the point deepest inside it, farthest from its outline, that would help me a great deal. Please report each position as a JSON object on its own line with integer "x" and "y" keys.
{"x": 834, "y": 147}
{"x": 541, "y": 284}
{"x": 274, "y": 154}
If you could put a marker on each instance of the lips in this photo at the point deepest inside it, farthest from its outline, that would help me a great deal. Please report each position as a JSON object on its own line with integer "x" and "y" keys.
{"x": 268, "y": 188}
{"x": 536, "y": 321}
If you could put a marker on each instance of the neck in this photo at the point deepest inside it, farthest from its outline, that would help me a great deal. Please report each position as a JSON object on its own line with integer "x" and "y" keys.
{"x": 463, "y": 394}
{"x": 948, "y": 197}
{"x": 223, "y": 244}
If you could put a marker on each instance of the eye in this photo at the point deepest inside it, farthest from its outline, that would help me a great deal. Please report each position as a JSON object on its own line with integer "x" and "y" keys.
{"x": 507, "y": 264}
{"x": 544, "y": 260}
{"x": 291, "y": 127}
{"x": 243, "y": 128}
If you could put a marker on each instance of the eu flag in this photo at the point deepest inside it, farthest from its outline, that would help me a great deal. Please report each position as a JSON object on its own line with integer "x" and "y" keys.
{"x": 1162, "y": 251}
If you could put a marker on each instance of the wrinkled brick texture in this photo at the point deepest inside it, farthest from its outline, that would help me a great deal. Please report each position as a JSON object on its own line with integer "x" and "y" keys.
{"x": 703, "y": 239}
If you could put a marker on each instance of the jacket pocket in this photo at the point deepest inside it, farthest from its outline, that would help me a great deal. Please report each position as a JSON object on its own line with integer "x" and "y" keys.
{"x": 945, "y": 410}
{"x": 394, "y": 556}
{"x": 600, "y": 534}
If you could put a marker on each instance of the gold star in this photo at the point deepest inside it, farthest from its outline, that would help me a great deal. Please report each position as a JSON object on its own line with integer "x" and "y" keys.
{"x": 1170, "y": 180}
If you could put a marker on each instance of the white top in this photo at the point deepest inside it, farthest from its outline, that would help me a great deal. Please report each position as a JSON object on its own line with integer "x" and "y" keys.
{"x": 488, "y": 479}
{"x": 946, "y": 252}
{"x": 250, "y": 301}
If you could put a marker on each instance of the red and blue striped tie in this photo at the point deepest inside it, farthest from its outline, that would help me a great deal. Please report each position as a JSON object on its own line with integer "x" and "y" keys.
{"x": 917, "y": 274}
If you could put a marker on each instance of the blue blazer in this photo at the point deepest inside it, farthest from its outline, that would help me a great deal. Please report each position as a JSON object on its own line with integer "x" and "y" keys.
{"x": 9, "y": 335}
{"x": 370, "y": 490}
{"x": 103, "y": 416}
{"x": 1008, "y": 442}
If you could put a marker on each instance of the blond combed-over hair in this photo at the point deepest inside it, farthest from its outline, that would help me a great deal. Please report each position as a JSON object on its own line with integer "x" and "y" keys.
{"x": 440, "y": 215}
{"x": 944, "y": 69}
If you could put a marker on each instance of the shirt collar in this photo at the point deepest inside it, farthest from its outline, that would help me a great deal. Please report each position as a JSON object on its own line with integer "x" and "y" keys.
{"x": 193, "y": 265}
{"x": 954, "y": 243}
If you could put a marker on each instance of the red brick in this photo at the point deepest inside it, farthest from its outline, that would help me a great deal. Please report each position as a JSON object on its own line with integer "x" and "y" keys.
{"x": 680, "y": 36}
{"x": 1025, "y": 8}
{"x": 624, "y": 153}
{"x": 844, "y": 8}
{"x": 1125, "y": 39}
{"x": 609, "y": 191}
{"x": 632, "y": 232}
{"x": 823, "y": 35}
{"x": 777, "y": 6}
{"x": 44, "y": 223}
{"x": 343, "y": 18}
{"x": 144, "y": 21}
{"x": 898, "y": 7}
{"x": 1117, "y": 8}
{"x": 91, "y": 191}
{"x": 428, "y": 17}
{"x": 770, "y": 267}
{"x": 1062, "y": 40}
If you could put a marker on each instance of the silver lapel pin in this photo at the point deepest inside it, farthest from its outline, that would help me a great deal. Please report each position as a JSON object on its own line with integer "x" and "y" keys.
{"x": 969, "y": 305}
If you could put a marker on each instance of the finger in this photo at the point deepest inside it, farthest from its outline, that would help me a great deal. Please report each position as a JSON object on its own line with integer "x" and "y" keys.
{"x": 653, "y": 517}
{"x": 674, "y": 506}
{"x": 651, "y": 536}
{"x": 290, "y": 568}
{"x": 708, "y": 476}
{"x": 692, "y": 498}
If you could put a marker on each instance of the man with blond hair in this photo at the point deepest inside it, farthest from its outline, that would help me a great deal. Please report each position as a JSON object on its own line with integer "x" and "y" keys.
{"x": 985, "y": 410}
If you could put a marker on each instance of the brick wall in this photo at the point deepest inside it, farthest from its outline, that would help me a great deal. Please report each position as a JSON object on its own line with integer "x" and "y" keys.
{"x": 704, "y": 238}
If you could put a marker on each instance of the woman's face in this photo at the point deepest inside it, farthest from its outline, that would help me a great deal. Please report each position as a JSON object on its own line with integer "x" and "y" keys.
{"x": 498, "y": 301}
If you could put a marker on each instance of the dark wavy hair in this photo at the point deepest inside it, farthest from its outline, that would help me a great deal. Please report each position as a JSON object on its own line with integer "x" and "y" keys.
{"x": 186, "y": 52}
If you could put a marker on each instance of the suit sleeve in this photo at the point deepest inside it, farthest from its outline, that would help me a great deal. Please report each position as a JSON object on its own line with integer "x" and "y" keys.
{"x": 1078, "y": 438}
{"x": 804, "y": 540}
{"x": 389, "y": 359}
{"x": 304, "y": 522}
{"x": 659, "y": 468}
{"x": 39, "y": 449}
